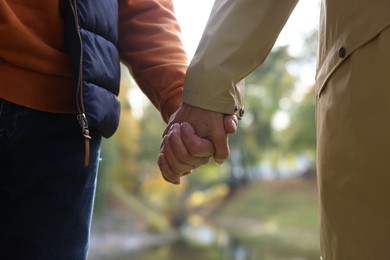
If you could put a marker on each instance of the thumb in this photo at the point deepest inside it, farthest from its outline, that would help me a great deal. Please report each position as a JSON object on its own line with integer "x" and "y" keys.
{"x": 230, "y": 123}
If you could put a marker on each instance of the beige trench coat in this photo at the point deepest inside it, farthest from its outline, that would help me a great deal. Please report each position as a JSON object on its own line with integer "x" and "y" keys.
{"x": 353, "y": 106}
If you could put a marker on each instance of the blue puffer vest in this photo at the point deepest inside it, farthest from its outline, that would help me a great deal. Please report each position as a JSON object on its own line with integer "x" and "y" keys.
{"x": 92, "y": 36}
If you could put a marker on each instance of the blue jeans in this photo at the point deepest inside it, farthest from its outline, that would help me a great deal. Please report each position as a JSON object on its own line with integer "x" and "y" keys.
{"x": 46, "y": 193}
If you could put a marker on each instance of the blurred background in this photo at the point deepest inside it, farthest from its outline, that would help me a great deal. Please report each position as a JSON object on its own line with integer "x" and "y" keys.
{"x": 261, "y": 204}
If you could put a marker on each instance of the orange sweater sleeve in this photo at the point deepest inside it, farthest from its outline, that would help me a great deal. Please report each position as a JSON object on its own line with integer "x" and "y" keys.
{"x": 150, "y": 46}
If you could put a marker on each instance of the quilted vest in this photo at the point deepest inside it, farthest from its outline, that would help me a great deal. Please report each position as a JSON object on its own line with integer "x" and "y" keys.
{"x": 92, "y": 36}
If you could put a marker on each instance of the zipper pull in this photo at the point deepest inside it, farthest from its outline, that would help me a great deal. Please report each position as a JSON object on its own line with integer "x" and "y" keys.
{"x": 82, "y": 119}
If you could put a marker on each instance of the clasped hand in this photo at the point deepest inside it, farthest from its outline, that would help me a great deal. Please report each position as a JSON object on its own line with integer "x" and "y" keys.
{"x": 193, "y": 136}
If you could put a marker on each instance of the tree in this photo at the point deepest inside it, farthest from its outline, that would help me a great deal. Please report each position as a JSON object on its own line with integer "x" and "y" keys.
{"x": 265, "y": 87}
{"x": 300, "y": 135}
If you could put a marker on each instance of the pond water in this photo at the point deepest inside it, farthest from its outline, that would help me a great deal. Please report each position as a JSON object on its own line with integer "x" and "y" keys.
{"x": 210, "y": 243}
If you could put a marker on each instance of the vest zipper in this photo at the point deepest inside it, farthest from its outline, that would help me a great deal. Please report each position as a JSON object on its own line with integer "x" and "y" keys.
{"x": 81, "y": 118}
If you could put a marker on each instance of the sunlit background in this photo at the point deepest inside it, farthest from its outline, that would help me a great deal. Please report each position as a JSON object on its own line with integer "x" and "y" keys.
{"x": 260, "y": 205}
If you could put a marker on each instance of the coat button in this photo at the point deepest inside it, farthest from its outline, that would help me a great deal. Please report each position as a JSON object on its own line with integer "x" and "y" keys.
{"x": 242, "y": 112}
{"x": 342, "y": 52}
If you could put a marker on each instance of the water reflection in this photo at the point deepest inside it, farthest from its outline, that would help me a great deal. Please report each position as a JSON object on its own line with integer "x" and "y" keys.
{"x": 198, "y": 242}
{"x": 204, "y": 235}
{"x": 208, "y": 237}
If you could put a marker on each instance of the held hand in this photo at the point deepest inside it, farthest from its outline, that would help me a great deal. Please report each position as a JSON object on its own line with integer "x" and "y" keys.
{"x": 211, "y": 125}
{"x": 182, "y": 151}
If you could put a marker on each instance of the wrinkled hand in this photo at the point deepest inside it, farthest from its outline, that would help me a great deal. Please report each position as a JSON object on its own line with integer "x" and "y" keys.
{"x": 211, "y": 125}
{"x": 186, "y": 147}
{"x": 182, "y": 150}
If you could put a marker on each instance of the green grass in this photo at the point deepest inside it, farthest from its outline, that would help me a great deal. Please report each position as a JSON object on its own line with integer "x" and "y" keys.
{"x": 277, "y": 216}
{"x": 287, "y": 203}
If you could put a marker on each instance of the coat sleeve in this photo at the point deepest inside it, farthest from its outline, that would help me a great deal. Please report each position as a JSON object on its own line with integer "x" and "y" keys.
{"x": 150, "y": 46}
{"x": 237, "y": 38}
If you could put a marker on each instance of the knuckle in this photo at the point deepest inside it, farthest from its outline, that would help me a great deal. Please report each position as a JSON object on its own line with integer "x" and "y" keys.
{"x": 195, "y": 149}
{"x": 174, "y": 137}
{"x": 184, "y": 158}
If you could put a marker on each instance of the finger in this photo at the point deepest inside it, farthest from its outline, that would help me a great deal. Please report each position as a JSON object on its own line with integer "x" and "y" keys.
{"x": 230, "y": 123}
{"x": 166, "y": 171}
{"x": 196, "y": 146}
{"x": 176, "y": 154}
{"x": 182, "y": 151}
{"x": 167, "y": 130}
{"x": 221, "y": 141}
{"x": 170, "y": 123}
{"x": 221, "y": 145}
